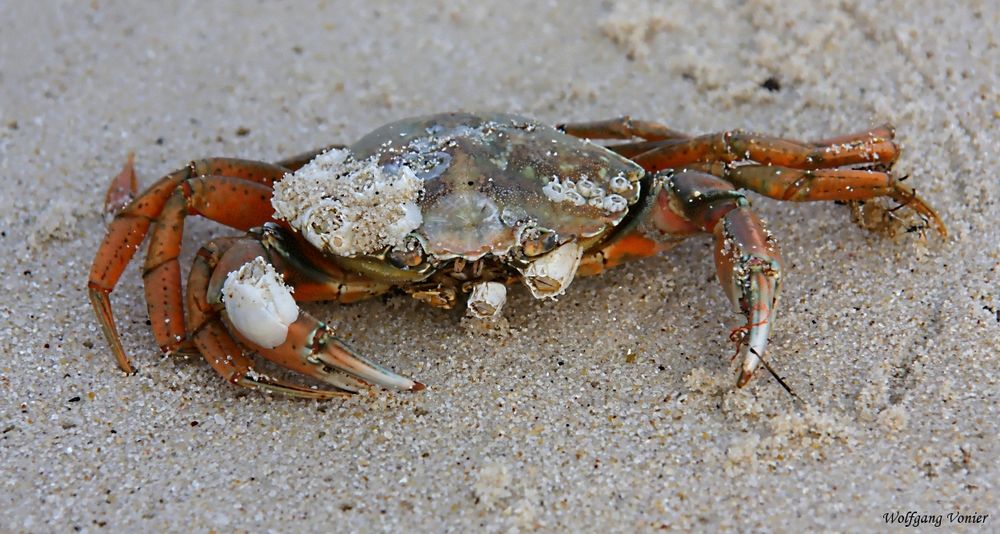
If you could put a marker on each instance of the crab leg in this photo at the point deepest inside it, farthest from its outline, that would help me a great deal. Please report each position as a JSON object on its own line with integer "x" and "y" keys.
{"x": 226, "y": 357}
{"x": 129, "y": 227}
{"x": 312, "y": 341}
{"x": 747, "y": 260}
{"x": 233, "y": 202}
{"x": 874, "y": 146}
{"x": 316, "y": 278}
{"x": 621, "y": 128}
{"x": 883, "y": 131}
{"x": 799, "y": 185}
{"x": 631, "y": 246}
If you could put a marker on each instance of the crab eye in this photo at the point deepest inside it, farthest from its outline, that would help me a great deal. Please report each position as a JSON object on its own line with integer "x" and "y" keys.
{"x": 540, "y": 243}
{"x": 410, "y": 255}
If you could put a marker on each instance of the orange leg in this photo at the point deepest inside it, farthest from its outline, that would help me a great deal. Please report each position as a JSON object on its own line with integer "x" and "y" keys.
{"x": 871, "y": 147}
{"x": 631, "y": 246}
{"x": 313, "y": 275}
{"x": 122, "y": 189}
{"x": 227, "y": 358}
{"x": 699, "y": 194}
{"x": 128, "y": 229}
{"x": 799, "y": 185}
{"x": 621, "y": 128}
{"x": 882, "y": 131}
{"x": 748, "y": 263}
{"x": 234, "y": 202}
{"x": 213, "y": 339}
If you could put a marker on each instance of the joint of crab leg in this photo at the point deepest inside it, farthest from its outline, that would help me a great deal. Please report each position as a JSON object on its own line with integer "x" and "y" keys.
{"x": 907, "y": 196}
{"x": 122, "y": 189}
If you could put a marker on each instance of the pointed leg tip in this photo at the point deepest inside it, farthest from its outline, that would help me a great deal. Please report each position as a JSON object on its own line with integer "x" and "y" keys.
{"x": 122, "y": 189}
{"x": 417, "y": 386}
{"x": 273, "y": 386}
{"x": 124, "y": 363}
{"x": 941, "y": 228}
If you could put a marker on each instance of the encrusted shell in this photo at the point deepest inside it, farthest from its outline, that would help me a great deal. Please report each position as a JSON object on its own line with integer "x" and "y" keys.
{"x": 487, "y": 178}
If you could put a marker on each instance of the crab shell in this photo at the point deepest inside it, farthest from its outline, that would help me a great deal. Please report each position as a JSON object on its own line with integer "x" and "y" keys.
{"x": 491, "y": 182}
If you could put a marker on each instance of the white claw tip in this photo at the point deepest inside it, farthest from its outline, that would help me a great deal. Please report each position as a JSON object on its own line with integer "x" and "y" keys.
{"x": 259, "y": 304}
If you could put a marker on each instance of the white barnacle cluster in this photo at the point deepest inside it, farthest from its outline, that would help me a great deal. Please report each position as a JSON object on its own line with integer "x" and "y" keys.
{"x": 259, "y": 304}
{"x": 586, "y": 191}
{"x": 563, "y": 191}
{"x": 349, "y": 207}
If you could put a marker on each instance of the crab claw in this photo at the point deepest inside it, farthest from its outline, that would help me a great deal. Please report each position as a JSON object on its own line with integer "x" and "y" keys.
{"x": 759, "y": 296}
{"x": 311, "y": 347}
{"x": 749, "y": 267}
{"x": 332, "y": 351}
{"x": 260, "y": 311}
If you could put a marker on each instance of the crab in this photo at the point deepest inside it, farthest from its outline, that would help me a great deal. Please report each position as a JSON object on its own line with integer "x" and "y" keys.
{"x": 454, "y": 207}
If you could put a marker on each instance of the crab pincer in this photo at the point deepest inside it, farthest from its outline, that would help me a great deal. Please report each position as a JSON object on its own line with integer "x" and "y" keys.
{"x": 260, "y": 311}
{"x": 749, "y": 267}
{"x": 312, "y": 341}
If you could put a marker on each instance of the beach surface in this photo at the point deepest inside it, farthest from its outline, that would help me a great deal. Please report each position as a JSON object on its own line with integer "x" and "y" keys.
{"x": 612, "y": 409}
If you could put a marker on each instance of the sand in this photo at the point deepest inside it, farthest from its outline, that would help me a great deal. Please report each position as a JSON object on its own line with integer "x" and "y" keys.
{"x": 611, "y": 409}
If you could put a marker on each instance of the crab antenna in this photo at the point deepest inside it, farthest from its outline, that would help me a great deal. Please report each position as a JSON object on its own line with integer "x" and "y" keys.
{"x": 775, "y": 375}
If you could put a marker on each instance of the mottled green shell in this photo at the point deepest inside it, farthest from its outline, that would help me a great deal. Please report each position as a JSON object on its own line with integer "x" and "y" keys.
{"x": 486, "y": 179}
